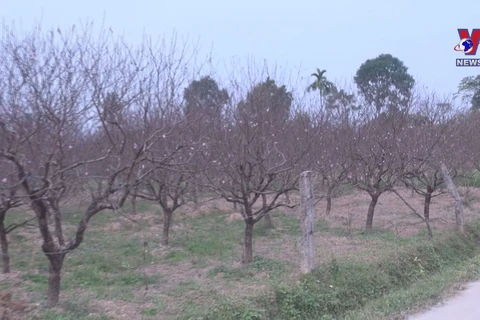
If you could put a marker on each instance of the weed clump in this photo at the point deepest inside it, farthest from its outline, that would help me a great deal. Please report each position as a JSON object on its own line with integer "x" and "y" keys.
{"x": 342, "y": 286}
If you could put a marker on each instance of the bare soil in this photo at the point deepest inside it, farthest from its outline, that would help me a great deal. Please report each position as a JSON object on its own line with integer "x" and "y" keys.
{"x": 12, "y": 309}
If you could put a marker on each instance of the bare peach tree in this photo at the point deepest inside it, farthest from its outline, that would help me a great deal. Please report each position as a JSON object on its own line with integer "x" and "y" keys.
{"x": 428, "y": 132}
{"x": 330, "y": 153}
{"x": 331, "y": 159}
{"x": 170, "y": 180}
{"x": 68, "y": 103}
{"x": 252, "y": 160}
{"x": 377, "y": 160}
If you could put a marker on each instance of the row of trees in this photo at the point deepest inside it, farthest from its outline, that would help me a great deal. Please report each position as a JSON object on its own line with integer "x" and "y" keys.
{"x": 99, "y": 123}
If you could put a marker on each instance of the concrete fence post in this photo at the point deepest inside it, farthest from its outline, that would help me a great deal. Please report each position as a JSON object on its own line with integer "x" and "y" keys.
{"x": 307, "y": 221}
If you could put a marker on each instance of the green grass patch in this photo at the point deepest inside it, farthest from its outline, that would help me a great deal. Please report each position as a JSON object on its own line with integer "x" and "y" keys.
{"x": 71, "y": 309}
{"x": 342, "y": 287}
{"x": 246, "y": 272}
{"x": 212, "y": 237}
{"x": 209, "y": 237}
{"x": 426, "y": 291}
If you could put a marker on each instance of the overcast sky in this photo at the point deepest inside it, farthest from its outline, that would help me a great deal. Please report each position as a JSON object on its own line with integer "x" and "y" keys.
{"x": 301, "y": 35}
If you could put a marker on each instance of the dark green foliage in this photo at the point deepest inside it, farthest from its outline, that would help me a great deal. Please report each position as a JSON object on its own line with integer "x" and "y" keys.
{"x": 267, "y": 102}
{"x": 476, "y": 100}
{"x": 322, "y": 84}
{"x": 385, "y": 83}
{"x": 341, "y": 100}
{"x": 343, "y": 286}
{"x": 204, "y": 97}
{"x": 470, "y": 88}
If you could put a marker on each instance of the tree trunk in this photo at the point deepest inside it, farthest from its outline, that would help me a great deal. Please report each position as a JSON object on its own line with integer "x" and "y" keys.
{"x": 248, "y": 240}
{"x": 371, "y": 211}
{"x": 287, "y": 197}
{"x": 268, "y": 218}
{"x": 329, "y": 200}
{"x": 268, "y": 221}
{"x": 307, "y": 222}
{"x": 426, "y": 210}
{"x": 51, "y": 251}
{"x": 4, "y": 242}
{"x": 56, "y": 263}
{"x": 196, "y": 206}
{"x": 429, "y": 229}
{"x": 167, "y": 219}
{"x": 57, "y": 219}
{"x": 58, "y": 226}
{"x": 458, "y": 201}
{"x": 134, "y": 203}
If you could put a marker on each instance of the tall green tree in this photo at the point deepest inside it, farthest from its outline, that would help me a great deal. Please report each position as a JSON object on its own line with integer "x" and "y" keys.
{"x": 385, "y": 83}
{"x": 322, "y": 84}
{"x": 267, "y": 102}
{"x": 340, "y": 106}
{"x": 204, "y": 105}
{"x": 205, "y": 98}
{"x": 470, "y": 88}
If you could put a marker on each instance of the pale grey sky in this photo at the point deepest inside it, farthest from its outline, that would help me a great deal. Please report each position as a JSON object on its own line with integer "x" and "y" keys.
{"x": 336, "y": 35}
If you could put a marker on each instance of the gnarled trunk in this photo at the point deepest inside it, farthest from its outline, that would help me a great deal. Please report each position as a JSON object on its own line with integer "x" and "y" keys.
{"x": 268, "y": 219}
{"x": 429, "y": 229}
{"x": 54, "y": 279}
{"x": 4, "y": 243}
{"x": 134, "y": 202}
{"x": 426, "y": 210}
{"x": 248, "y": 240}
{"x": 167, "y": 219}
{"x": 196, "y": 204}
{"x": 329, "y": 200}
{"x": 287, "y": 197}
{"x": 371, "y": 212}
{"x": 57, "y": 216}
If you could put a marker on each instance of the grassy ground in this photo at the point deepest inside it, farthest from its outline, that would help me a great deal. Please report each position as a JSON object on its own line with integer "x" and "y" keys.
{"x": 122, "y": 272}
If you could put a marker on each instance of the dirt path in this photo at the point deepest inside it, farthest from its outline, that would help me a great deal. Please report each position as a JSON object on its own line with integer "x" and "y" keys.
{"x": 465, "y": 306}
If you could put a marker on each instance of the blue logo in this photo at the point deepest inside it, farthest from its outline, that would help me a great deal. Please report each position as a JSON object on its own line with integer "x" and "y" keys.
{"x": 465, "y": 45}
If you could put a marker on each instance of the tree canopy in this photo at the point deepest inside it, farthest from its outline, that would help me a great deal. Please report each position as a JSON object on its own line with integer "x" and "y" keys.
{"x": 322, "y": 84}
{"x": 267, "y": 100}
{"x": 384, "y": 82}
{"x": 470, "y": 87}
{"x": 205, "y": 97}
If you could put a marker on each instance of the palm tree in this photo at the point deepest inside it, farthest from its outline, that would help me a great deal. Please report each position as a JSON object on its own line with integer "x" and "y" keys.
{"x": 322, "y": 84}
